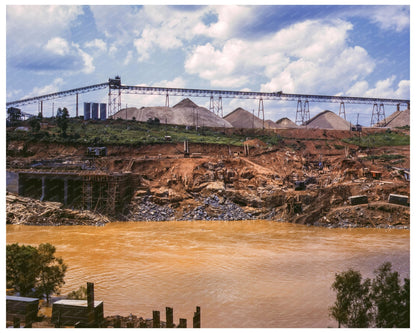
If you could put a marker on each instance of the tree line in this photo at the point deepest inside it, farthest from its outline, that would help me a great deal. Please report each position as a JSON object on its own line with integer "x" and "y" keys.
{"x": 382, "y": 302}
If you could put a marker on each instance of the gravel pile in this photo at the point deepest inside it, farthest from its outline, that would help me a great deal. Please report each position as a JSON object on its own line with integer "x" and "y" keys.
{"x": 328, "y": 120}
{"x": 397, "y": 119}
{"x": 185, "y": 112}
{"x": 145, "y": 209}
{"x": 215, "y": 208}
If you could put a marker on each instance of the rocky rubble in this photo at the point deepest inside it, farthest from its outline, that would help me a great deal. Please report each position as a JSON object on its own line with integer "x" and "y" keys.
{"x": 219, "y": 184}
{"x": 216, "y": 208}
{"x": 22, "y": 210}
{"x": 144, "y": 209}
{"x": 373, "y": 215}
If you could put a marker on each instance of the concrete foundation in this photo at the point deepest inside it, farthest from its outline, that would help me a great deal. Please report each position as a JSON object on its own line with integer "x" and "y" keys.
{"x": 358, "y": 199}
{"x": 399, "y": 199}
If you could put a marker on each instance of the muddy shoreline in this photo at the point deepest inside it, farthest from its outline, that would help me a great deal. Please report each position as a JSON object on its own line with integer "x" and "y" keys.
{"x": 27, "y": 211}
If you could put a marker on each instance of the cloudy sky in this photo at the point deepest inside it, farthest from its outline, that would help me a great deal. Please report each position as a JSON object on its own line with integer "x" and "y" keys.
{"x": 320, "y": 49}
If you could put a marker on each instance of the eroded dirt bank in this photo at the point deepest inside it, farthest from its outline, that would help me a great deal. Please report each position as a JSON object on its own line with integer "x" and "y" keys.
{"x": 218, "y": 182}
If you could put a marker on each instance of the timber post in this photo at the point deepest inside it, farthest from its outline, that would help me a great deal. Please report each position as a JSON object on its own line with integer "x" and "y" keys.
{"x": 90, "y": 304}
{"x": 197, "y": 318}
{"x": 156, "y": 319}
{"x": 169, "y": 317}
{"x": 182, "y": 323}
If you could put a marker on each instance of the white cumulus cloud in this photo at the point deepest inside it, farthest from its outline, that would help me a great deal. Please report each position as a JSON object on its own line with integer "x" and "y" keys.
{"x": 97, "y": 45}
{"x": 29, "y": 25}
{"x": 58, "y": 46}
{"x": 392, "y": 17}
{"x": 48, "y": 89}
{"x": 311, "y": 57}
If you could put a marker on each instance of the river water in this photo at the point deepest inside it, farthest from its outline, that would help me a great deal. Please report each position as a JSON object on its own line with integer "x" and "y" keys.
{"x": 241, "y": 274}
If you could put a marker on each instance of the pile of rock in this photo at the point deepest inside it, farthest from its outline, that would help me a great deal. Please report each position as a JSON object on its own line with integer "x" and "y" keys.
{"x": 328, "y": 120}
{"x": 373, "y": 215}
{"x": 144, "y": 209}
{"x": 215, "y": 208}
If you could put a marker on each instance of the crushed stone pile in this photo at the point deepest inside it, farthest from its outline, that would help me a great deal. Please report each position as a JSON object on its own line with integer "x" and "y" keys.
{"x": 185, "y": 113}
{"x": 270, "y": 124}
{"x": 23, "y": 210}
{"x": 241, "y": 118}
{"x": 285, "y": 123}
{"x": 397, "y": 119}
{"x": 328, "y": 120}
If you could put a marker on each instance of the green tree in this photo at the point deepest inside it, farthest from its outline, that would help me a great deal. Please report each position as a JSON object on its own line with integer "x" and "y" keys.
{"x": 34, "y": 271}
{"x": 380, "y": 302}
{"x": 62, "y": 120}
{"x": 352, "y": 306}
{"x": 52, "y": 271}
{"x": 15, "y": 115}
{"x": 404, "y": 313}
{"x": 22, "y": 268}
{"x": 387, "y": 295}
{"x": 34, "y": 123}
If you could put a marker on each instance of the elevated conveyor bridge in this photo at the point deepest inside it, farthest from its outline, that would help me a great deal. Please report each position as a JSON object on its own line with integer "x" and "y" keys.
{"x": 115, "y": 90}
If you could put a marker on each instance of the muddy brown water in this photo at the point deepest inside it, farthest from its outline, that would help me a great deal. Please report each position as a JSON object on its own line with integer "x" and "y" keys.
{"x": 241, "y": 274}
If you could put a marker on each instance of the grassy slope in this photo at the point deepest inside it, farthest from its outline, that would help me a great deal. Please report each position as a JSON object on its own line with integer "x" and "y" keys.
{"x": 124, "y": 132}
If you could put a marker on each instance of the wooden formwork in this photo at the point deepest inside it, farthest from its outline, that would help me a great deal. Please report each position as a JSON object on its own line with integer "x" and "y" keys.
{"x": 106, "y": 193}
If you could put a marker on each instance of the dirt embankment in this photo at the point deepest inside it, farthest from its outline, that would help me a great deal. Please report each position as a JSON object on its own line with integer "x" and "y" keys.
{"x": 221, "y": 183}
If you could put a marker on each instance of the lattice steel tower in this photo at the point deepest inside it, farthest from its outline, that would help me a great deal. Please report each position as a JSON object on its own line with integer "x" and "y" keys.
{"x": 216, "y": 106}
{"x": 114, "y": 96}
{"x": 378, "y": 116}
{"x": 302, "y": 112}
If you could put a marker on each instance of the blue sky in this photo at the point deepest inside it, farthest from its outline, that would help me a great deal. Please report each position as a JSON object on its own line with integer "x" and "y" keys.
{"x": 356, "y": 50}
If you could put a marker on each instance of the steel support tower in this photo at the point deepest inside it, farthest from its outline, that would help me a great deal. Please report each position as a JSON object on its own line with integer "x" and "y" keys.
{"x": 378, "y": 116}
{"x": 114, "y": 96}
{"x": 261, "y": 110}
{"x": 302, "y": 112}
{"x": 342, "y": 110}
{"x": 215, "y": 106}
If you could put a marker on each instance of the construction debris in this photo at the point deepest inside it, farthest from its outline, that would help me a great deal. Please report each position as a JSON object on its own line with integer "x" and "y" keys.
{"x": 23, "y": 210}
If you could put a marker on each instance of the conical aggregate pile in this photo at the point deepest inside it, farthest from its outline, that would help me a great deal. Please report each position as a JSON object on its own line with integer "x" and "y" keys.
{"x": 185, "y": 113}
{"x": 328, "y": 120}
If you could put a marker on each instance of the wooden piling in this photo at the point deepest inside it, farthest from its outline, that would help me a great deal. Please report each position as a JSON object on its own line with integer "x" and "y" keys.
{"x": 16, "y": 322}
{"x": 197, "y": 318}
{"x": 169, "y": 317}
{"x": 90, "y": 304}
{"x": 156, "y": 319}
{"x": 182, "y": 323}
